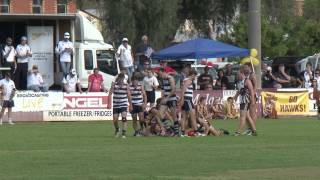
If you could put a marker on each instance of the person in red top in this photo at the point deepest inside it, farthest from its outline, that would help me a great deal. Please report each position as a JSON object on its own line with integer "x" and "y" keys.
{"x": 167, "y": 69}
{"x": 96, "y": 82}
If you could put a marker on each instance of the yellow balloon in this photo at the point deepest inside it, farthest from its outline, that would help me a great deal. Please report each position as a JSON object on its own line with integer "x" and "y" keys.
{"x": 252, "y": 60}
{"x": 245, "y": 60}
{"x": 255, "y": 61}
{"x": 253, "y": 53}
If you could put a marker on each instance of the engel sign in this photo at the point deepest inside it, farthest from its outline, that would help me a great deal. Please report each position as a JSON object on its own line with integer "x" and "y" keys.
{"x": 88, "y": 101}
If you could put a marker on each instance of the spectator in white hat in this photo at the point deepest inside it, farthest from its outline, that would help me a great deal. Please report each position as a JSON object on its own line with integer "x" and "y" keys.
{"x": 126, "y": 57}
{"x": 24, "y": 54}
{"x": 71, "y": 82}
{"x": 65, "y": 51}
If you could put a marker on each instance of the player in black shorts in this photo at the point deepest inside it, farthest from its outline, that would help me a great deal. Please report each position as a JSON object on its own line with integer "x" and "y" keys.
{"x": 120, "y": 93}
{"x": 246, "y": 94}
{"x": 169, "y": 98}
{"x": 8, "y": 91}
{"x": 248, "y": 71}
{"x": 186, "y": 104}
{"x": 139, "y": 101}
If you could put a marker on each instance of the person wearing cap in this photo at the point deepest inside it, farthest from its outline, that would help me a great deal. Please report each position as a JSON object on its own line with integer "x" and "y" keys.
{"x": 65, "y": 51}
{"x": 8, "y": 89}
{"x": 9, "y": 55}
{"x": 71, "y": 82}
{"x": 126, "y": 58}
{"x": 35, "y": 80}
{"x": 24, "y": 54}
{"x": 95, "y": 83}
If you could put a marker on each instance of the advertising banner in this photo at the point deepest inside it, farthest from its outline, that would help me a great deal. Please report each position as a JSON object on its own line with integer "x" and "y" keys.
{"x": 285, "y": 103}
{"x": 28, "y": 101}
{"x": 313, "y": 108}
{"x": 210, "y": 96}
{"x": 81, "y": 107}
{"x": 41, "y": 43}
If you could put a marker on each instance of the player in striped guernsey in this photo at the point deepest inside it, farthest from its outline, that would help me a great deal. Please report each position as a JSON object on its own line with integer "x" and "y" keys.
{"x": 139, "y": 101}
{"x": 247, "y": 96}
{"x": 121, "y": 98}
{"x": 186, "y": 104}
{"x": 169, "y": 99}
{"x": 249, "y": 73}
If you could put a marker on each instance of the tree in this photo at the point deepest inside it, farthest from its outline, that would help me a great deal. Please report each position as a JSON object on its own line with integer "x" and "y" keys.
{"x": 282, "y": 33}
{"x": 220, "y": 12}
{"x": 132, "y": 19}
{"x": 311, "y": 9}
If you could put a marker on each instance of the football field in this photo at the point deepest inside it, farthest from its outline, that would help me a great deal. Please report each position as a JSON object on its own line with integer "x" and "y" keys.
{"x": 284, "y": 149}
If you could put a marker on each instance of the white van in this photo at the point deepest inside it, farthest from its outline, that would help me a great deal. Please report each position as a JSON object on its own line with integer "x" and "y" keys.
{"x": 91, "y": 55}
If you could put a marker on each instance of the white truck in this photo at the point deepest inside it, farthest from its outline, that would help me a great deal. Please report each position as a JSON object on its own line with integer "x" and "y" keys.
{"x": 90, "y": 51}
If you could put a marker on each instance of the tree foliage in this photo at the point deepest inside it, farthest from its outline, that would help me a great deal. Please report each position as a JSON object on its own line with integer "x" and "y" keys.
{"x": 282, "y": 33}
{"x": 160, "y": 19}
{"x": 132, "y": 19}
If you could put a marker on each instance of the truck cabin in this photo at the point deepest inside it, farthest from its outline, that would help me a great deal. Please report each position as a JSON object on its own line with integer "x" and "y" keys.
{"x": 45, "y": 27}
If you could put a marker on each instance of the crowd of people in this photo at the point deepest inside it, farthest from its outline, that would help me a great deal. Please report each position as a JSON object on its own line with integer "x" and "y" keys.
{"x": 135, "y": 87}
{"x": 17, "y": 59}
{"x": 283, "y": 78}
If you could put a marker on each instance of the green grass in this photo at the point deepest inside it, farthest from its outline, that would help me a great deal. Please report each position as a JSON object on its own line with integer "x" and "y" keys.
{"x": 284, "y": 149}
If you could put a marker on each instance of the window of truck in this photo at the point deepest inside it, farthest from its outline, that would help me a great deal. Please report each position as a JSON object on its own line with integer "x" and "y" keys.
{"x": 106, "y": 62}
{"x": 88, "y": 59}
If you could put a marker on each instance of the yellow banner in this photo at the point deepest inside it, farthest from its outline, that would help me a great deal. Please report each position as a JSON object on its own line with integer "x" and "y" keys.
{"x": 285, "y": 103}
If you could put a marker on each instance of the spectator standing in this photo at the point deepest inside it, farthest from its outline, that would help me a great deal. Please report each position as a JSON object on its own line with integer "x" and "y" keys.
{"x": 143, "y": 52}
{"x": 35, "y": 80}
{"x": 230, "y": 76}
{"x": 267, "y": 81}
{"x": 24, "y": 54}
{"x": 126, "y": 57}
{"x": 222, "y": 81}
{"x": 8, "y": 92}
{"x": 65, "y": 51}
{"x": 9, "y": 56}
{"x": 96, "y": 82}
{"x": 308, "y": 76}
{"x": 71, "y": 82}
{"x": 205, "y": 80}
{"x": 316, "y": 79}
{"x": 150, "y": 84}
